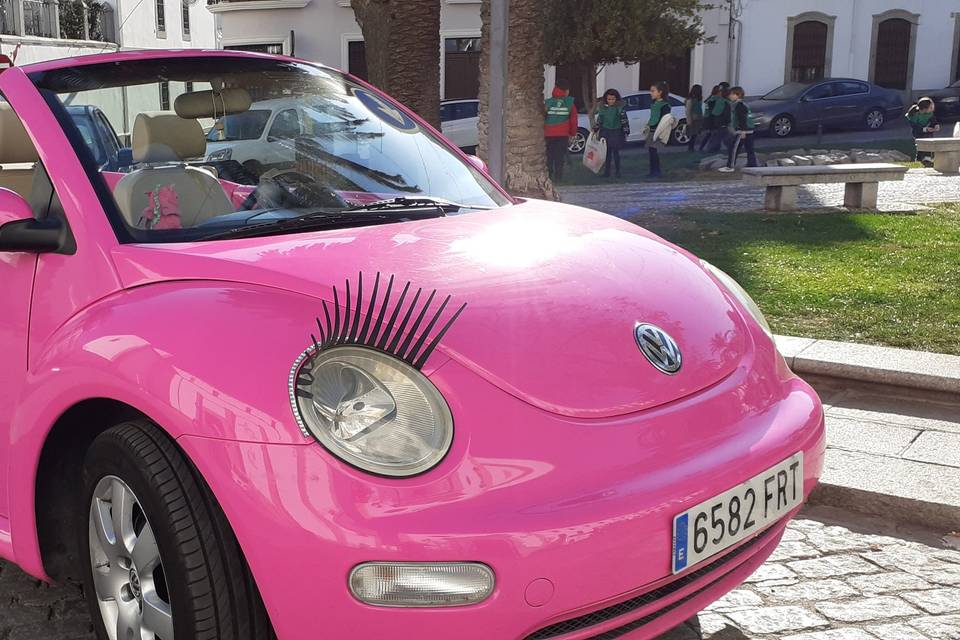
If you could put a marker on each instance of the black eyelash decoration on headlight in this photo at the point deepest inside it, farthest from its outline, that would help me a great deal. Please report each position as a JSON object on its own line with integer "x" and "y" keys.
{"x": 385, "y": 335}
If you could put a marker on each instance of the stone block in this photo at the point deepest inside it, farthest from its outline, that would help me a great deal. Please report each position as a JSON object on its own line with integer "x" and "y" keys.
{"x": 777, "y": 620}
{"x": 866, "y": 609}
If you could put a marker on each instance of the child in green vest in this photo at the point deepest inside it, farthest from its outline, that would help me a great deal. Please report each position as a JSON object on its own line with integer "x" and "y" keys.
{"x": 610, "y": 123}
{"x": 659, "y": 92}
{"x": 560, "y": 126}
{"x": 742, "y": 125}
{"x": 924, "y": 124}
{"x": 721, "y": 117}
{"x": 694, "y": 112}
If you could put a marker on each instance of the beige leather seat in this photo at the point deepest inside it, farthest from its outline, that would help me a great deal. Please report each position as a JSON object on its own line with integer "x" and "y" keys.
{"x": 162, "y": 141}
{"x": 17, "y": 153}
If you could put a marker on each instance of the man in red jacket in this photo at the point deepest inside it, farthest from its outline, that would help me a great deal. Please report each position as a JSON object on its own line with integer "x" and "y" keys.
{"x": 559, "y": 127}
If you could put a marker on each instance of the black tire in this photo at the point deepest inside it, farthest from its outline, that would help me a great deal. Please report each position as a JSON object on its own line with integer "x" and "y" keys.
{"x": 579, "y": 141}
{"x": 874, "y": 119}
{"x": 211, "y": 592}
{"x": 679, "y": 135}
{"x": 782, "y": 126}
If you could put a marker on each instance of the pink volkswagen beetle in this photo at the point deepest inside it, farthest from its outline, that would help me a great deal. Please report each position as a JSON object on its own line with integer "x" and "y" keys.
{"x": 349, "y": 387}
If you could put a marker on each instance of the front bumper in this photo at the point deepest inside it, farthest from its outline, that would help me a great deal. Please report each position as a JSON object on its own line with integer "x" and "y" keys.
{"x": 574, "y": 516}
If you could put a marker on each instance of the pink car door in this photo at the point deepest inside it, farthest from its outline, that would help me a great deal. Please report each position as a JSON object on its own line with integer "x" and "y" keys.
{"x": 39, "y": 292}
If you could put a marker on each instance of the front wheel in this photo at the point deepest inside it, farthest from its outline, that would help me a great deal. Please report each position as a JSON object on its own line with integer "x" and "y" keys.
{"x": 162, "y": 562}
{"x": 579, "y": 142}
{"x": 781, "y": 126}
{"x": 875, "y": 119}
{"x": 681, "y": 135}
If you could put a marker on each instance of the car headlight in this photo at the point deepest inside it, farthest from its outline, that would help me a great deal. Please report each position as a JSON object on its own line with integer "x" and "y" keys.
{"x": 740, "y": 294}
{"x": 373, "y": 411}
{"x": 221, "y": 154}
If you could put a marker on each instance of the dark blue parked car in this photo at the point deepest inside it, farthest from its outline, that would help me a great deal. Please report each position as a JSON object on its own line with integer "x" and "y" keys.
{"x": 834, "y": 103}
{"x": 100, "y": 138}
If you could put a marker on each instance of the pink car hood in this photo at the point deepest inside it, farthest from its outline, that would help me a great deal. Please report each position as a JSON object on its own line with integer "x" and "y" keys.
{"x": 553, "y": 296}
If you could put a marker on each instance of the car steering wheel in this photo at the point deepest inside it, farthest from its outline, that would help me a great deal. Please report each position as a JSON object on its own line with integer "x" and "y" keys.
{"x": 291, "y": 189}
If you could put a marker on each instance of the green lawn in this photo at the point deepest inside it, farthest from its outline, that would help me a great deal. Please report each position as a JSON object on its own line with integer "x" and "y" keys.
{"x": 684, "y": 166}
{"x": 891, "y": 279}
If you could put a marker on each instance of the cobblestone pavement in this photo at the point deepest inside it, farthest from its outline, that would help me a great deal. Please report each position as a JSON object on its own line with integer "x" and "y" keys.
{"x": 920, "y": 187}
{"x": 834, "y": 577}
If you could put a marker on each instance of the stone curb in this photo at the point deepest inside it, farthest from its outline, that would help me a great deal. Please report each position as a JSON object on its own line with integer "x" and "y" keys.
{"x": 932, "y": 515}
{"x": 872, "y": 364}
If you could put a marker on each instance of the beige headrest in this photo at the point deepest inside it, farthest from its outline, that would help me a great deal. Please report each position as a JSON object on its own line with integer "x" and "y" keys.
{"x": 15, "y": 145}
{"x": 163, "y": 136}
{"x": 207, "y": 104}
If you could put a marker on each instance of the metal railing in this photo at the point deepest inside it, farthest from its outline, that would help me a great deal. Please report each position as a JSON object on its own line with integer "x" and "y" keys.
{"x": 38, "y": 18}
{"x": 8, "y": 23}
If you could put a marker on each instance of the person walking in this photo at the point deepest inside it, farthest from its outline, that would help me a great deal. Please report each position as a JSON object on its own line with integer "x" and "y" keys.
{"x": 694, "y": 113}
{"x": 721, "y": 115}
{"x": 660, "y": 107}
{"x": 559, "y": 128}
{"x": 709, "y": 120}
{"x": 610, "y": 123}
{"x": 742, "y": 125}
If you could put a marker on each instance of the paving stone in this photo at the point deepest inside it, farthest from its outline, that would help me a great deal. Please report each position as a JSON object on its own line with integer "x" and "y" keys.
{"x": 923, "y": 414}
{"x": 832, "y": 566}
{"x": 869, "y": 437}
{"x": 866, "y": 609}
{"x": 769, "y": 572}
{"x": 711, "y": 624}
{"x": 777, "y": 620}
{"x": 895, "y": 631}
{"x": 938, "y": 627}
{"x": 881, "y": 583}
{"x": 793, "y": 551}
{"x": 936, "y": 448}
{"x": 736, "y": 600}
{"x": 846, "y": 633}
{"x": 834, "y": 539}
{"x": 828, "y": 589}
{"x": 935, "y": 601}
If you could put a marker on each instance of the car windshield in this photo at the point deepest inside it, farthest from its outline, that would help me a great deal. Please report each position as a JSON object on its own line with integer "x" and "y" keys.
{"x": 789, "y": 91}
{"x": 334, "y": 151}
{"x": 240, "y": 126}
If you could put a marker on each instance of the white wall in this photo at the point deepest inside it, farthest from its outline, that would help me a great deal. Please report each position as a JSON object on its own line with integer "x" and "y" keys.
{"x": 40, "y": 49}
{"x": 764, "y": 52}
{"x": 139, "y": 20}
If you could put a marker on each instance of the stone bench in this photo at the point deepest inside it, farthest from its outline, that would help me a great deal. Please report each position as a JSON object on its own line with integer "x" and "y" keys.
{"x": 862, "y": 182}
{"x": 946, "y": 152}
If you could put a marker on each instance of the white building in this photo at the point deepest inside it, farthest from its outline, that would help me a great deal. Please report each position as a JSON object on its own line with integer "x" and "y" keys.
{"x": 904, "y": 44}
{"x": 44, "y": 31}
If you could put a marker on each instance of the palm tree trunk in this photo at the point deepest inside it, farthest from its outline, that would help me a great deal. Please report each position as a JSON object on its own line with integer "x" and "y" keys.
{"x": 403, "y": 51}
{"x": 526, "y": 163}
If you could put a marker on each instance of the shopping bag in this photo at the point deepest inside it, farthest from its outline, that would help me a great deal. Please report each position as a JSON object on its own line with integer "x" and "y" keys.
{"x": 956, "y": 130}
{"x": 595, "y": 153}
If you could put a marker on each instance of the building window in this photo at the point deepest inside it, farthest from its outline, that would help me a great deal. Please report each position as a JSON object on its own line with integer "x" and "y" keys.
{"x": 357, "y": 59}
{"x": 274, "y": 48}
{"x": 161, "y": 18}
{"x": 461, "y": 68}
{"x": 185, "y": 13}
{"x": 674, "y": 70}
{"x": 955, "y": 76}
{"x": 164, "y": 96}
{"x": 809, "y": 51}
{"x": 893, "y": 53}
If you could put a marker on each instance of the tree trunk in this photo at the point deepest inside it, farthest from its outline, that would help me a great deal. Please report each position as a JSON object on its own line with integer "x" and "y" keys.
{"x": 403, "y": 51}
{"x": 526, "y": 155}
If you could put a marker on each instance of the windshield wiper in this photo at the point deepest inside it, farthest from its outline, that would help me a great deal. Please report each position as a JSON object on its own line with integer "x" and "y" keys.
{"x": 325, "y": 220}
{"x": 406, "y": 203}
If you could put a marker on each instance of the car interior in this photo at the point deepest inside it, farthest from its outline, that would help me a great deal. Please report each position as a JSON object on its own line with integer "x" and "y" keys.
{"x": 20, "y": 168}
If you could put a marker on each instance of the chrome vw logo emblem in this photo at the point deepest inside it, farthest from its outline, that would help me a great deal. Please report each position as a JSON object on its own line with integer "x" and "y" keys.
{"x": 659, "y": 348}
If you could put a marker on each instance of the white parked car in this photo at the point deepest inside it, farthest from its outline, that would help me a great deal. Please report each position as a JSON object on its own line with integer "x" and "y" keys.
{"x": 251, "y": 137}
{"x": 638, "y": 110}
{"x": 460, "y": 119}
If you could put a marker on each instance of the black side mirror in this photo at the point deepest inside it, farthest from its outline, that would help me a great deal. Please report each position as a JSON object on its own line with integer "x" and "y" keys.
{"x": 21, "y": 232}
{"x": 125, "y": 157}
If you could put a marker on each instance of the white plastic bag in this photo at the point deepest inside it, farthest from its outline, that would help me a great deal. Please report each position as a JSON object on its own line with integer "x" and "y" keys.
{"x": 595, "y": 153}
{"x": 956, "y": 130}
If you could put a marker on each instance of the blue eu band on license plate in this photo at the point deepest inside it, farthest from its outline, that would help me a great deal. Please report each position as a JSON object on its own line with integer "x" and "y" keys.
{"x": 737, "y": 514}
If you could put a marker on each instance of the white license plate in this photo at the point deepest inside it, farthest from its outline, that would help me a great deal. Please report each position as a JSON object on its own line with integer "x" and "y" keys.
{"x": 734, "y": 515}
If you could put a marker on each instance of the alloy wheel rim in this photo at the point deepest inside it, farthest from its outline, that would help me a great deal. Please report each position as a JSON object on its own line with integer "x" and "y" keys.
{"x": 127, "y": 569}
{"x": 783, "y": 126}
{"x": 680, "y": 135}
{"x": 579, "y": 142}
{"x": 874, "y": 119}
